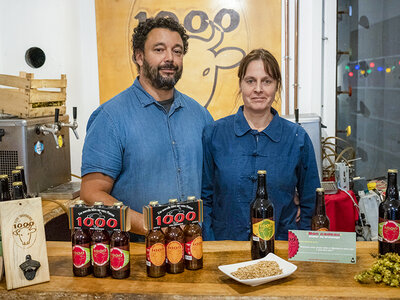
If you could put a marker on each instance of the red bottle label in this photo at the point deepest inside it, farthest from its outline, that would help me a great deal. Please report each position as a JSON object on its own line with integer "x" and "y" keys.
{"x": 389, "y": 231}
{"x": 119, "y": 258}
{"x": 194, "y": 248}
{"x": 80, "y": 256}
{"x": 100, "y": 254}
{"x": 175, "y": 252}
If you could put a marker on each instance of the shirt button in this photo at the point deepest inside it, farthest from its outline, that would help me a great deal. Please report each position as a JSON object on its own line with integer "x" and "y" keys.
{"x": 173, "y": 142}
{"x": 255, "y": 154}
{"x": 179, "y": 170}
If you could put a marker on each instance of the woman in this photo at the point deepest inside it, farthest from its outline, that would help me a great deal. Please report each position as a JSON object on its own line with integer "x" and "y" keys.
{"x": 256, "y": 138}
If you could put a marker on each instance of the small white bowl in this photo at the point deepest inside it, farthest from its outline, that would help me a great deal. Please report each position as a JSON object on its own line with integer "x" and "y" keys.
{"x": 287, "y": 269}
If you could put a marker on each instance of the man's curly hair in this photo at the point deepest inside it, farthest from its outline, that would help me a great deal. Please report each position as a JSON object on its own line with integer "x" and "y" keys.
{"x": 142, "y": 30}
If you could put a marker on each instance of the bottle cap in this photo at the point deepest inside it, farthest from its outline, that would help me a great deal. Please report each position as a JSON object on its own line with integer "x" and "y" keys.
{"x": 118, "y": 204}
{"x": 153, "y": 203}
{"x": 172, "y": 201}
{"x": 392, "y": 171}
{"x": 19, "y": 167}
{"x": 98, "y": 203}
{"x": 261, "y": 172}
{"x": 191, "y": 198}
{"x": 371, "y": 185}
{"x": 3, "y": 176}
{"x": 15, "y": 171}
{"x": 320, "y": 190}
{"x": 17, "y": 183}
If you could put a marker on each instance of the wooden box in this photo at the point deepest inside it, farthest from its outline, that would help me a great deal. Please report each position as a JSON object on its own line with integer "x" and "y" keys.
{"x": 23, "y": 234}
{"x": 26, "y": 97}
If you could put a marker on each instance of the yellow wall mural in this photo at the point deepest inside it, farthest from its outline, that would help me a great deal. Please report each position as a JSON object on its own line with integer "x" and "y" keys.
{"x": 221, "y": 32}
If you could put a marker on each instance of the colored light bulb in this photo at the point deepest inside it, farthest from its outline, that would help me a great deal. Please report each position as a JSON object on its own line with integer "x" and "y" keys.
{"x": 380, "y": 69}
{"x": 371, "y": 64}
{"x": 351, "y": 74}
{"x": 388, "y": 70}
{"x": 347, "y": 67}
{"x": 362, "y": 72}
{"x": 357, "y": 67}
{"x": 369, "y": 71}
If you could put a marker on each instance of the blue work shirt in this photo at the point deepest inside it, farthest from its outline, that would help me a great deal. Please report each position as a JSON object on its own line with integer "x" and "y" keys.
{"x": 233, "y": 153}
{"x": 150, "y": 154}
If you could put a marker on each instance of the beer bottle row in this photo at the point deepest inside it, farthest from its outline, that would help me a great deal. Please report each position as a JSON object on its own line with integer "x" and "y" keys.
{"x": 19, "y": 189}
{"x": 95, "y": 251}
{"x": 175, "y": 249}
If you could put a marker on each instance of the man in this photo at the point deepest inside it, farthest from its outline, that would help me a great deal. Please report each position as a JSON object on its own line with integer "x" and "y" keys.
{"x": 146, "y": 143}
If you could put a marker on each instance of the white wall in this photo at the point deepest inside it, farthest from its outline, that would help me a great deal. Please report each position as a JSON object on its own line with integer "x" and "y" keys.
{"x": 66, "y": 31}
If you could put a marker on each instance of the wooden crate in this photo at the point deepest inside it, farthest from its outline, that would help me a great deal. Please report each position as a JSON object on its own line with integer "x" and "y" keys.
{"x": 23, "y": 98}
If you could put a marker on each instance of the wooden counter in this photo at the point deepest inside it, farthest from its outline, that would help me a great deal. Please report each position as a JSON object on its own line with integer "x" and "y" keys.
{"x": 310, "y": 281}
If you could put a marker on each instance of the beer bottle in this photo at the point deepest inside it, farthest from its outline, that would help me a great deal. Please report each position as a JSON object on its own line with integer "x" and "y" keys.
{"x": 320, "y": 221}
{"x": 262, "y": 220}
{"x": 80, "y": 237}
{"x": 4, "y": 189}
{"x": 193, "y": 244}
{"x": 18, "y": 190}
{"x": 119, "y": 254}
{"x": 155, "y": 251}
{"x": 389, "y": 217}
{"x": 175, "y": 241}
{"x": 100, "y": 249}
{"x": 21, "y": 168}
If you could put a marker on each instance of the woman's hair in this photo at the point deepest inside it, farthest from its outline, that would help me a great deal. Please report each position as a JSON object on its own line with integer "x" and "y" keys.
{"x": 271, "y": 66}
{"x": 140, "y": 33}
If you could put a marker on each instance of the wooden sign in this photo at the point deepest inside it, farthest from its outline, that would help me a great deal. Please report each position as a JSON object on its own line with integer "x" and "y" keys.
{"x": 24, "y": 242}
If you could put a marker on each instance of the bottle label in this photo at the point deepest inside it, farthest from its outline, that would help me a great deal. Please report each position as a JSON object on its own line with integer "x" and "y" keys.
{"x": 175, "y": 252}
{"x": 119, "y": 258}
{"x": 80, "y": 256}
{"x": 265, "y": 229}
{"x": 155, "y": 254}
{"x": 100, "y": 254}
{"x": 194, "y": 248}
{"x": 389, "y": 231}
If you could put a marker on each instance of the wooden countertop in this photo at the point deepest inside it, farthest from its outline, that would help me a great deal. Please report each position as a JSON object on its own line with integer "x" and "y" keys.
{"x": 310, "y": 281}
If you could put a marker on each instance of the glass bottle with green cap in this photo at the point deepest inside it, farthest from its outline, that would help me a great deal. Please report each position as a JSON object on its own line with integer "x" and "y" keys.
{"x": 174, "y": 244}
{"x": 262, "y": 220}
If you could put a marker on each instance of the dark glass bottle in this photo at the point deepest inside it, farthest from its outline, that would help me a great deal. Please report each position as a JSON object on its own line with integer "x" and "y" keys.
{"x": 174, "y": 246}
{"x": 120, "y": 262}
{"x": 4, "y": 188}
{"x": 21, "y": 168}
{"x": 100, "y": 249}
{"x": 81, "y": 261}
{"x": 262, "y": 220}
{"x": 193, "y": 244}
{"x": 18, "y": 190}
{"x": 155, "y": 251}
{"x": 389, "y": 217}
{"x": 319, "y": 221}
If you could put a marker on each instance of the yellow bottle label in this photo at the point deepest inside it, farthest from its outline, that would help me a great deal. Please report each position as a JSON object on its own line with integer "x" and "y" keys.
{"x": 264, "y": 229}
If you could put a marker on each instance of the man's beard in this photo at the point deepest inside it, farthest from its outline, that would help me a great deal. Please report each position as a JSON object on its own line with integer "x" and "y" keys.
{"x": 159, "y": 81}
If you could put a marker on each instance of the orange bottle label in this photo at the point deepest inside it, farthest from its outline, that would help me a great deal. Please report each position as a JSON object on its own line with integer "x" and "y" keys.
{"x": 156, "y": 254}
{"x": 195, "y": 248}
{"x": 175, "y": 252}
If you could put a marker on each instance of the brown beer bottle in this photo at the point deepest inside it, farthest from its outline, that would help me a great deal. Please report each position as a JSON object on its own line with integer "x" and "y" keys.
{"x": 319, "y": 221}
{"x": 389, "y": 217}
{"x": 174, "y": 244}
{"x": 193, "y": 244}
{"x": 21, "y": 168}
{"x": 100, "y": 249}
{"x": 81, "y": 262}
{"x": 4, "y": 189}
{"x": 262, "y": 220}
{"x": 155, "y": 251}
{"x": 119, "y": 254}
{"x": 18, "y": 190}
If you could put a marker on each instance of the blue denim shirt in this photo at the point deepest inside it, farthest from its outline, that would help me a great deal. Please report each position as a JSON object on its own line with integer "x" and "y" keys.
{"x": 233, "y": 153}
{"x": 151, "y": 155}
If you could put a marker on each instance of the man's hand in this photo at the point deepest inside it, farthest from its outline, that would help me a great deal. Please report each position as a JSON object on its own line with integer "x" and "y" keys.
{"x": 97, "y": 187}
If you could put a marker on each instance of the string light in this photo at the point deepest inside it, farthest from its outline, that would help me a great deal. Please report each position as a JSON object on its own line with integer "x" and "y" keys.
{"x": 357, "y": 67}
{"x": 351, "y": 74}
{"x": 362, "y": 72}
{"x": 372, "y": 64}
{"x": 388, "y": 70}
{"x": 380, "y": 69}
